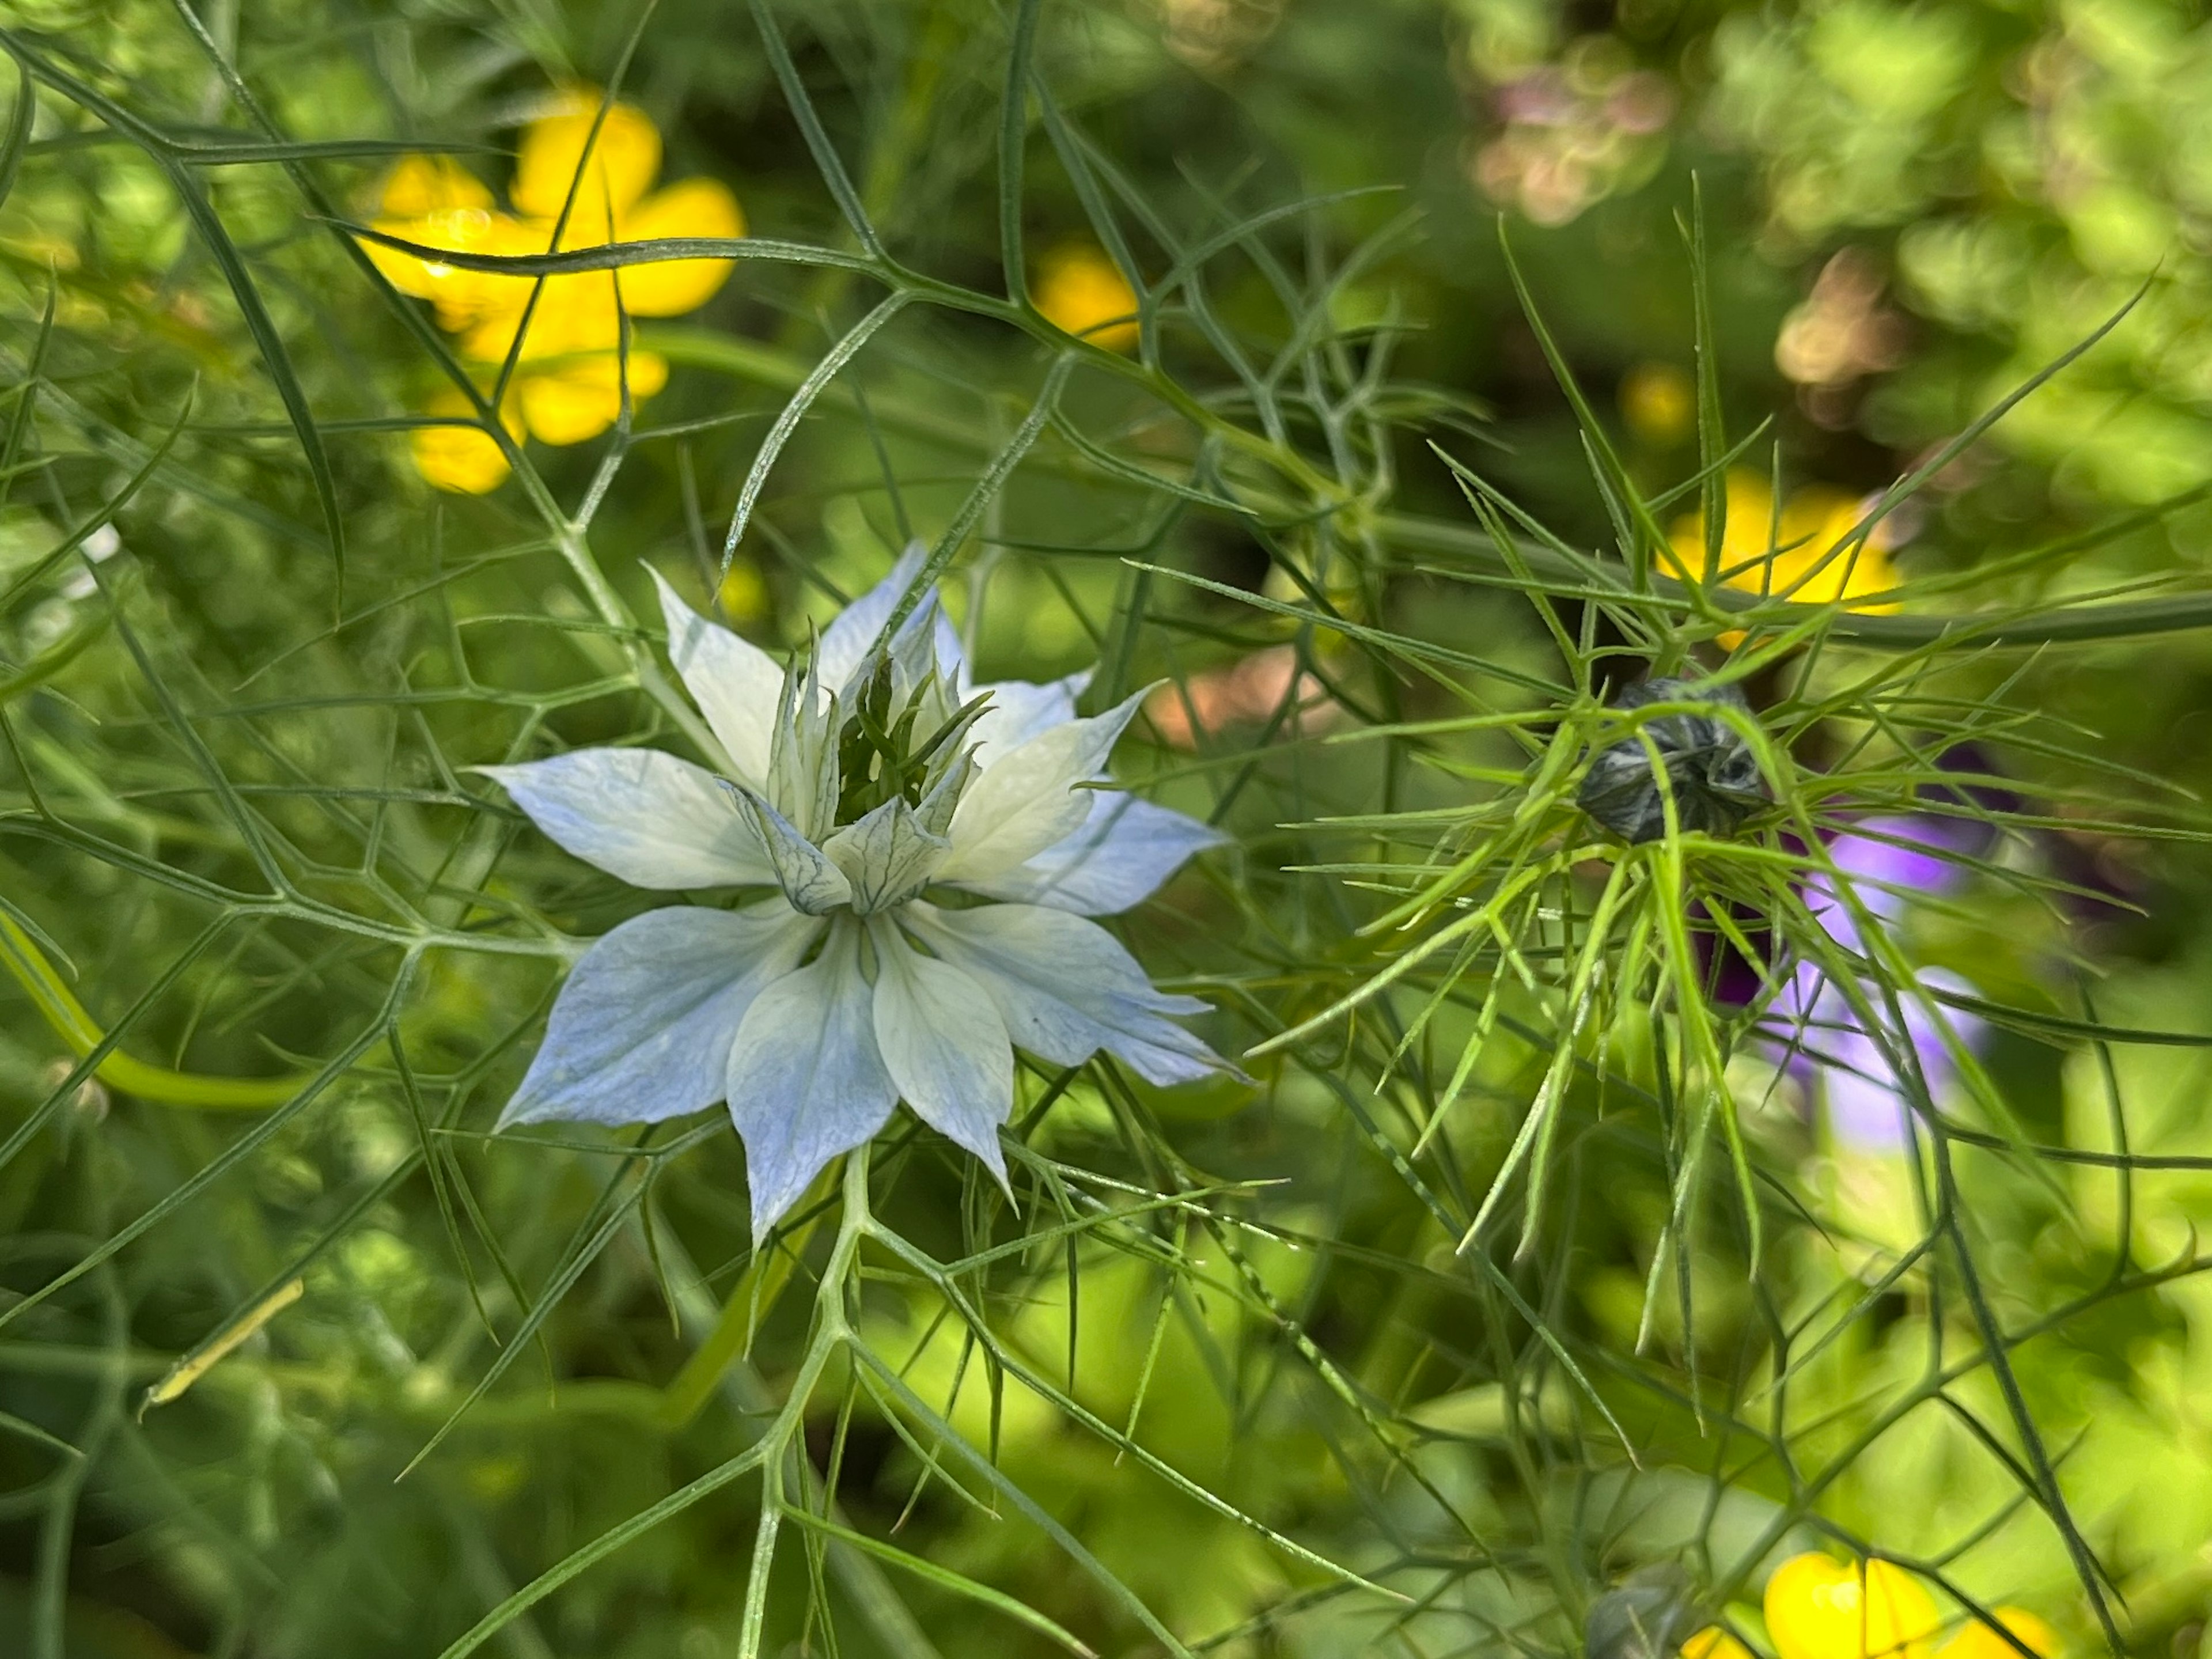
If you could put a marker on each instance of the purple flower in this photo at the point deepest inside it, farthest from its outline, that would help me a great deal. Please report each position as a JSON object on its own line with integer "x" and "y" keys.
{"x": 1884, "y": 862}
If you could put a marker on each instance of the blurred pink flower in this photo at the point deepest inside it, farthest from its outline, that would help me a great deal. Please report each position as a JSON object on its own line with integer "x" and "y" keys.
{"x": 1250, "y": 691}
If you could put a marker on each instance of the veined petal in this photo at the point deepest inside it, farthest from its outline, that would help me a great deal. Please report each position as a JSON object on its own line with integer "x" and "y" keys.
{"x": 1123, "y": 852}
{"x": 888, "y": 856}
{"x": 806, "y": 1080}
{"x": 1021, "y": 709}
{"x": 1027, "y": 799}
{"x": 1066, "y": 988}
{"x": 736, "y": 684}
{"x": 808, "y": 879}
{"x": 642, "y": 1030}
{"x": 650, "y": 818}
{"x": 944, "y": 1045}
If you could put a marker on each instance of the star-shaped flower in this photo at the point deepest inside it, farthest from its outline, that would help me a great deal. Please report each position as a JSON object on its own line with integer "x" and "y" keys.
{"x": 935, "y": 848}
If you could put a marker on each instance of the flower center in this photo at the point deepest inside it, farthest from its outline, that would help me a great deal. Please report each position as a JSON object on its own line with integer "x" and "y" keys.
{"x": 892, "y": 747}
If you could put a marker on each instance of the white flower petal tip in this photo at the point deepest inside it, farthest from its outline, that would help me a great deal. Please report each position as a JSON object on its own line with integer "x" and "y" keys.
{"x": 1020, "y": 710}
{"x": 1032, "y": 795}
{"x": 735, "y": 684}
{"x": 847, "y": 641}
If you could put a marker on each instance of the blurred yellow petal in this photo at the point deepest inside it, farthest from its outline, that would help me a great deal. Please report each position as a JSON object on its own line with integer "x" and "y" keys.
{"x": 1818, "y": 1607}
{"x": 461, "y": 296}
{"x": 1744, "y": 539}
{"x": 1714, "y": 1643}
{"x": 569, "y": 402}
{"x": 573, "y": 314}
{"x": 1659, "y": 402}
{"x": 403, "y": 270}
{"x": 581, "y": 313}
{"x": 1760, "y": 557}
{"x": 624, "y": 158}
{"x": 419, "y": 185}
{"x": 433, "y": 200}
{"x": 589, "y": 225}
{"x": 1976, "y": 1640}
{"x": 1817, "y": 521}
{"x": 697, "y": 207}
{"x": 744, "y": 594}
{"x": 1080, "y": 289}
{"x": 465, "y": 459}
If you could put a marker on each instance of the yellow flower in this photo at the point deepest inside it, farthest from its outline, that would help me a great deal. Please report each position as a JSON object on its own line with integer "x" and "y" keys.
{"x": 1714, "y": 1643}
{"x": 1080, "y": 289}
{"x": 462, "y": 458}
{"x": 1787, "y": 561}
{"x": 1818, "y": 1607}
{"x": 610, "y": 203}
{"x": 1754, "y": 558}
{"x": 434, "y": 201}
{"x": 1978, "y": 1641}
{"x": 570, "y": 401}
{"x": 570, "y": 372}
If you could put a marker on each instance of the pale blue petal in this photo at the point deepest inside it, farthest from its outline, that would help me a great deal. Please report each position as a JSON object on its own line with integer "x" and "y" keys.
{"x": 650, "y": 818}
{"x": 642, "y": 1030}
{"x": 805, "y": 1081}
{"x": 1065, "y": 988}
{"x": 1028, "y": 798}
{"x": 945, "y": 1044}
{"x": 1021, "y": 709}
{"x": 1120, "y": 856}
{"x": 809, "y": 879}
{"x": 735, "y": 684}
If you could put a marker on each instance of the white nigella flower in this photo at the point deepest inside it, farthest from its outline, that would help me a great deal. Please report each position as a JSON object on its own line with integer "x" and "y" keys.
{"x": 936, "y": 847}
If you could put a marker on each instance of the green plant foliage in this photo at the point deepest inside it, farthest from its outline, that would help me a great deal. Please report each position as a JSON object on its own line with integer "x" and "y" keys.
{"x": 1543, "y": 1275}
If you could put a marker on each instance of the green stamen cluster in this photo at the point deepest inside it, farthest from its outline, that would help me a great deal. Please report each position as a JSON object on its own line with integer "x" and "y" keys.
{"x": 877, "y": 758}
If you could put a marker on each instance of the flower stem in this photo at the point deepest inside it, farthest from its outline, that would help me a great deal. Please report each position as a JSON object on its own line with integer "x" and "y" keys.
{"x": 20, "y": 955}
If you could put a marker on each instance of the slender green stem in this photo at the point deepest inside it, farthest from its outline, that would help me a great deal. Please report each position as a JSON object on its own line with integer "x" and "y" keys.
{"x": 19, "y": 954}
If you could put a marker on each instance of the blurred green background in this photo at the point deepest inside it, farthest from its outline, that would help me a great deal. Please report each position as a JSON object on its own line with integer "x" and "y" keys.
{"x": 1911, "y": 209}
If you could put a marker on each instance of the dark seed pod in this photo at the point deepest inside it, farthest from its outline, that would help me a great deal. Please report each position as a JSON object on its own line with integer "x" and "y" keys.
{"x": 1711, "y": 771}
{"x": 1647, "y": 1616}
